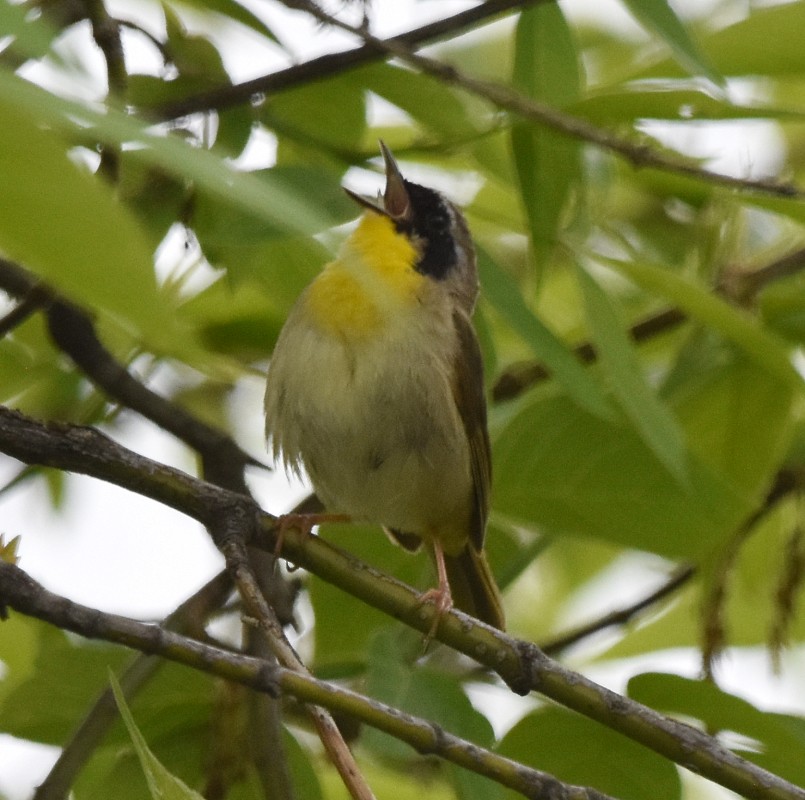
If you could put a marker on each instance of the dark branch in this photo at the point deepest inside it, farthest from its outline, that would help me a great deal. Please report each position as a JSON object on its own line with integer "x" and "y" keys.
{"x": 622, "y": 616}
{"x": 327, "y": 66}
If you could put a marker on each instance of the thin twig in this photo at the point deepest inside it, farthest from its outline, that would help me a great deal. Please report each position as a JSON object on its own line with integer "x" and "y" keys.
{"x": 106, "y": 33}
{"x": 230, "y": 532}
{"x": 621, "y": 616}
{"x": 29, "y": 304}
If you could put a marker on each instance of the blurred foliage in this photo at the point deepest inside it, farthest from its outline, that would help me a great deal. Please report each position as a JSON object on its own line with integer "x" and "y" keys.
{"x": 664, "y": 451}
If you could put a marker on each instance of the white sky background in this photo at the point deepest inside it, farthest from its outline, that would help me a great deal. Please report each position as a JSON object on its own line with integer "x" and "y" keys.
{"x": 112, "y": 550}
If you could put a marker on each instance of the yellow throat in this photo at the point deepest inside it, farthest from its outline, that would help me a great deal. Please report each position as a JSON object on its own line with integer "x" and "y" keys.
{"x": 371, "y": 282}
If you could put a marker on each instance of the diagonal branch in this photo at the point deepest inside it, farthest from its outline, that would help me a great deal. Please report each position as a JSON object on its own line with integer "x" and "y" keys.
{"x": 621, "y": 616}
{"x": 521, "y": 664}
{"x": 329, "y": 65}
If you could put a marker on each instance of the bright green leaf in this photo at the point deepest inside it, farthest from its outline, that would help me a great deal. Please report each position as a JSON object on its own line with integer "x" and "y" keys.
{"x": 736, "y": 416}
{"x": 734, "y": 50}
{"x": 584, "y": 753}
{"x": 562, "y": 471}
{"x": 33, "y": 33}
{"x": 432, "y": 104}
{"x": 70, "y": 672}
{"x": 65, "y": 225}
{"x": 659, "y": 16}
{"x": 667, "y": 101}
{"x": 162, "y": 785}
{"x": 340, "y": 646}
{"x": 759, "y": 344}
{"x": 327, "y": 114}
{"x": 616, "y": 353}
{"x": 424, "y": 692}
{"x": 285, "y": 209}
{"x": 504, "y": 295}
{"x": 545, "y": 68}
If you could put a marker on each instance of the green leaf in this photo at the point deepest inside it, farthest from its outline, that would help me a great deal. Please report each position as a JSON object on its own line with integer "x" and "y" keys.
{"x": 33, "y": 33}
{"x": 304, "y": 776}
{"x": 734, "y": 49}
{"x": 547, "y": 164}
{"x": 64, "y": 224}
{"x": 668, "y": 101}
{"x": 424, "y": 692}
{"x": 658, "y": 16}
{"x": 766, "y": 349}
{"x": 432, "y": 104}
{"x": 162, "y": 785}
{"x": 282, "y": 208}
{"x": 504, "y": 295}
{"x": 584, "y": 753}
{"x": 781, "y": 737}
{"x": 194, "y": 56}
{"x": 782, "y": 305}
{"x": 239, "y": 320}
{"x": 217, "y": 222}
{"x": 616, "y": 353}
{"x": 737, "y": 418}
{"x": 342, "y": 647}
{"x": 562, "y": 471}
{"x": 323, "y": 115}
{"x": 18, "y": 648}
{"x": 229, "y": 10}
{"x": 73, "y": 673}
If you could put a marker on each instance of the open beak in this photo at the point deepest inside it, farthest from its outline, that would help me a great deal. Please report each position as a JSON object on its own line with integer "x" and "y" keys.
{"x": 396, "y": 202}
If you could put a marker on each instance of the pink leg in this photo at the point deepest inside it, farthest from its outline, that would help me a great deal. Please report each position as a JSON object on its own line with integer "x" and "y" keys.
{"x": 440, "y": 596}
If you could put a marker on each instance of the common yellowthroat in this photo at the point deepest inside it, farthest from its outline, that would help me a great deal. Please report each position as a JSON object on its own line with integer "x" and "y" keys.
{"x": 375, "y": 388}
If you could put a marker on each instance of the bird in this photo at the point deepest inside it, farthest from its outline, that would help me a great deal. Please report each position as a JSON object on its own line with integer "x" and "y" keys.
{"x": 375, "y": 389}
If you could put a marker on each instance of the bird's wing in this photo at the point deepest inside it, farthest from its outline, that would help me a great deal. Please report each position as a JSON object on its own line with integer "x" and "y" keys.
{"x": 468, "y": 392}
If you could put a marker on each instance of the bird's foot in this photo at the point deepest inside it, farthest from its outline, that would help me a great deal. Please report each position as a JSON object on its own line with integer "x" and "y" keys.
{"x": 303, "y": 523}
{"x": 443, "y": 601}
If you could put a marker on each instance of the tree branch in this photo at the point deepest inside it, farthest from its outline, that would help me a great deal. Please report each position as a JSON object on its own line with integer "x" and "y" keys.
{"x": 19, "y": 591}
{"x": 621, "y": 616}
{"x": 520, "y": 664}
{"x": 106, "y": 32}
{"x": 329, "y": 65}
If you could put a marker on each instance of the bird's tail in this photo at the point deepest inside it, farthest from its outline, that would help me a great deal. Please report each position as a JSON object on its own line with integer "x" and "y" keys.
{"x": 473, "y": 586}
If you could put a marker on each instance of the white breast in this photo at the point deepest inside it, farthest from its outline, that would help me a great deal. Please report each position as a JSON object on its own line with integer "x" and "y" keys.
{"x": 374, "y": 422}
